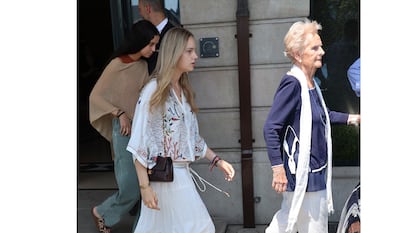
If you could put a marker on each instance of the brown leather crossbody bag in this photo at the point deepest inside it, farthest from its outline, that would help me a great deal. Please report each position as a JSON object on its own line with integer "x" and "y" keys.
{"x": 162, "y": 171}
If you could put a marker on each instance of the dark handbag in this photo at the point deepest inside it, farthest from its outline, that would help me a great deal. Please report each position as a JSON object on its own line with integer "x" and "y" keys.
{"x": 162, "y": 171}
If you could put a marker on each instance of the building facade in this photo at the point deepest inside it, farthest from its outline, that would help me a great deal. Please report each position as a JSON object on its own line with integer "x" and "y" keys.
{"x": 235, "y": 79}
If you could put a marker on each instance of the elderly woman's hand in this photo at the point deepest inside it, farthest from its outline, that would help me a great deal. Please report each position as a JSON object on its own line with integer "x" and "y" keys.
{"x": 354, "y": 119}
{"x": 279, "y": 182}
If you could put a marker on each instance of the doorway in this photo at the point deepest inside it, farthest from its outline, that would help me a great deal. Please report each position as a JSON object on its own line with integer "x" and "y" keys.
{"x": 95, "y": 45}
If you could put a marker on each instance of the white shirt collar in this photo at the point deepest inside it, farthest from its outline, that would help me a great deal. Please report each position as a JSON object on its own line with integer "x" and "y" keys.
{"x": 162, "y": 25}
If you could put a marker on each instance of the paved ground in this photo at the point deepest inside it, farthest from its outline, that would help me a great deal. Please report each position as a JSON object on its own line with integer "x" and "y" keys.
{"x": 88, "y": 198}
{"x": 94, "y": 187}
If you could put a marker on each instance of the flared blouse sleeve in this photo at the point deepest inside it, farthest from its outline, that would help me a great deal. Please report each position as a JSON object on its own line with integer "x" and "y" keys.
{"x": 142, "y": 144}
{"x": 169, "y": 132}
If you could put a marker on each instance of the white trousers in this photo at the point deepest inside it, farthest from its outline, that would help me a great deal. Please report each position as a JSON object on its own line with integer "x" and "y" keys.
{"x": 312, "y": 217}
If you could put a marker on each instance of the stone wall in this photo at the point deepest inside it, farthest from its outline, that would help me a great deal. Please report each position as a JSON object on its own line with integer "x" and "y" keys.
{"x": 215, "y": 81}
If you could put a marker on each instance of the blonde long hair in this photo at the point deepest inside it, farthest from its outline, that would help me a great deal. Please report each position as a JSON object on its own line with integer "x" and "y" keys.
{"x": 172, "y": 47}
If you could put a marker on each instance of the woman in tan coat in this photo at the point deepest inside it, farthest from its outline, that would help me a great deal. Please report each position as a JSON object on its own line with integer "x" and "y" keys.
{"x": 112, "y": 104}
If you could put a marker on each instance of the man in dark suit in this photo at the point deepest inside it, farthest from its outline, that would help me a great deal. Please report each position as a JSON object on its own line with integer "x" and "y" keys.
{"x": 154, "y": 11}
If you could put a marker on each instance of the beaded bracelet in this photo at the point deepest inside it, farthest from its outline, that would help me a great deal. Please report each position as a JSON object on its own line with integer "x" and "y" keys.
{"x": 214, "y": 162}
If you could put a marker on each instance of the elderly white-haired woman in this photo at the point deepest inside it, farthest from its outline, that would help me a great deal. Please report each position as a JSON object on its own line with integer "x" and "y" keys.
{"x": 298, "y": 137}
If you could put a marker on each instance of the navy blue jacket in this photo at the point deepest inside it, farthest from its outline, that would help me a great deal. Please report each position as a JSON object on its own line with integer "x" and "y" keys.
{"x": 285, "y": 111}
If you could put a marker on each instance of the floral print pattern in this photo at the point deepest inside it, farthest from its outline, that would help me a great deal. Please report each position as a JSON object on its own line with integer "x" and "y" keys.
{"x": 171, "y": 131}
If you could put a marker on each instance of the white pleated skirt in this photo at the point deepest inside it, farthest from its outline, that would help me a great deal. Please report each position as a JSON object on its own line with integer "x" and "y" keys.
{"x": 181, "y": 207}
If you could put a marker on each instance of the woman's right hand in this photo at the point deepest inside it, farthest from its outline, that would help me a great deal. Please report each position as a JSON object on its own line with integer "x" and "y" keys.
{"x": 125, "y": 123}
{"x": 279, "y": 182}
{"x": 149, "y": 198}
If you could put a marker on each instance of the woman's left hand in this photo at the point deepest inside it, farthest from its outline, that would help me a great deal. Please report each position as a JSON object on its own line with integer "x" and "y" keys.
{"x": 354, "y": 119}
{"x": 227, "y": 168}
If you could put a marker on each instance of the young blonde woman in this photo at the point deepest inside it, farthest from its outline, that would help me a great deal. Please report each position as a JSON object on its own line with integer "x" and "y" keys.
{"x": 165, "y": 124}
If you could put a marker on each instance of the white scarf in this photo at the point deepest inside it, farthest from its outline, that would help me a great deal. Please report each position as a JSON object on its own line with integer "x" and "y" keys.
{"x": 305, "y": 147}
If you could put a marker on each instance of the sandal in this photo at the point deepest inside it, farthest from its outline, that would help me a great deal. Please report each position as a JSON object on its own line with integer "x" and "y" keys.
{"x": 100, "y": 223}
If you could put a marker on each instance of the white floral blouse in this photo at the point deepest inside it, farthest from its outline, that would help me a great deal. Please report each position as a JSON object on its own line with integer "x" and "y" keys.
{"x": 170, "y": 133}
